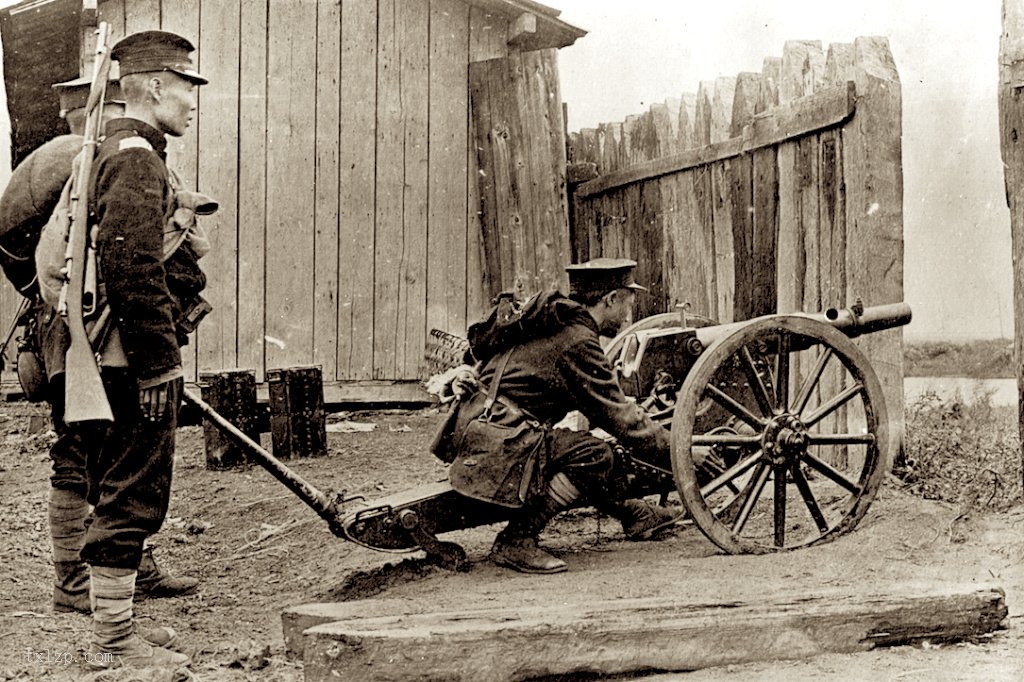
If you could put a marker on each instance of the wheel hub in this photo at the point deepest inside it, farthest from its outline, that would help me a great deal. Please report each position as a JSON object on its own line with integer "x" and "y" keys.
{"x": 784, "y": 439}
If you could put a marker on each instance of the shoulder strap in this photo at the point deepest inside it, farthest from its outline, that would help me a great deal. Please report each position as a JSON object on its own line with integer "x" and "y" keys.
{"x": 492, "y": 394}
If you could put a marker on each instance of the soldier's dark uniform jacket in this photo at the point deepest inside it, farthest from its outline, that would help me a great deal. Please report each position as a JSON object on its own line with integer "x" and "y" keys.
{"x": 557, "y": 366}
{"x": 131, "y": 201}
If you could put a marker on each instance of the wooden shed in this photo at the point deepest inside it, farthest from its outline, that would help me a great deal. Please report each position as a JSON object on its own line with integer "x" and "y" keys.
{"x": 341, "y": 139}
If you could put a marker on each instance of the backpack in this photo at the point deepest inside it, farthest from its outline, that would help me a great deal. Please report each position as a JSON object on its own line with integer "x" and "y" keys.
{"x": 180, "y": 225}
{"x": 26, "y": 205}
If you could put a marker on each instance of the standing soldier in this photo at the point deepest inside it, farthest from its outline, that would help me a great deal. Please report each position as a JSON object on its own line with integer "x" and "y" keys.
{"x": 151, "y": 294}
{"x": 68, "y": 508}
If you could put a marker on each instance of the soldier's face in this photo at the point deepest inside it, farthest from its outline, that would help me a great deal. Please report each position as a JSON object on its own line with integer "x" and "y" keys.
{"x": 175, "y": 104}
{"x": 620, "y": 311}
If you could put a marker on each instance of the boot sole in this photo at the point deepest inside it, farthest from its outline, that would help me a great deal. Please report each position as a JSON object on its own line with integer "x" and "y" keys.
{"x": 528, "y": 569}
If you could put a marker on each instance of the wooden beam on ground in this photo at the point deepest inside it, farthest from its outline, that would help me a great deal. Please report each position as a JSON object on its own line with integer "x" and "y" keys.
{"x": 630, "y": 635}
{"x": 825, "y": 109}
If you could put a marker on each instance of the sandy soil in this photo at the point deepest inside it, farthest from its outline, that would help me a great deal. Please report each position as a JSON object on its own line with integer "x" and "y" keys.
{"x": 257, "y": 549}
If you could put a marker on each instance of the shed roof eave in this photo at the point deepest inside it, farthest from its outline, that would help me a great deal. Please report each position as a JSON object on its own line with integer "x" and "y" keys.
{"x": 551, "y": 31}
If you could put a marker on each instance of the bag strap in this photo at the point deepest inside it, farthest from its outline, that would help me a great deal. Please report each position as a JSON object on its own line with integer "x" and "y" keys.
{"x": 492, "y": 394}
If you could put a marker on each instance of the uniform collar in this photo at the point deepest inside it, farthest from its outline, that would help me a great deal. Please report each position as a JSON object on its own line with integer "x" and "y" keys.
{"x": 140, "y": 128}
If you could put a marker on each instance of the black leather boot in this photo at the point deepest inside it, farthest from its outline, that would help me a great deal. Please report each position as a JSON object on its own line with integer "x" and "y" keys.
{"x": 152, "y": 582}
{"x": 642, "y": 520}
{"x": 71, "y": 589}
{"x": 516, "y": 545}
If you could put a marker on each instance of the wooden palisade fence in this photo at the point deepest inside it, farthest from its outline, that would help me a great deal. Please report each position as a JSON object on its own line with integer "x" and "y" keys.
{"x": 1011, "y": 127}
{"x": 767, "y": 192}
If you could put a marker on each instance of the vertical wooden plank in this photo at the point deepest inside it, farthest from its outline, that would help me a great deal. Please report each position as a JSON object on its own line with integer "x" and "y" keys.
{"x": 694, "y": 268}
{"x": 803, "y": 67}
{"x": 839, "y": 66}
{"x": 742, "y": 206}
{"x": 291, "y": 153}
{"x": 447, "y": 238}
{"x": 744, "y": 102}
{"x": 252, "y": 186}
{"x": 487, "y": 35}
{"x": 543, "y": 145}
{"x": 766, "y": 225}
{"x": 687, "y": 120}
{"x": 1011, "y": 125}
{"x": 808, "y": 179}
{"x": 357, "y": 161}
{"x": 705, "y": 233}
{"x": 182, "y": 17}
{"x": 721, "y": 108}
{"x": 326, "y": 212}
{"x": 390, "y": 189}
{"x": 725, "y": 258}
{"x": 412, "y": 22}
{"x": 650, "y": 266}
{"x": 791, "y": 263}
{"x": 663, "y": 128}
{"x": 141, "y": 15}
{"x": 768, "y": 94}
{"x": 477, "y": 299}
{"x": 873, "y": 174}
{"x": 218, "y": 176}
{"x": 113, "y": 12}
{"x": 703, "y": 114}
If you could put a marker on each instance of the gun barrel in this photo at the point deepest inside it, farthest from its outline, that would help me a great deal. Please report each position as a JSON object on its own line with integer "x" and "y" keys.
{"x": 851, "y": 322}
{"x": 873, "y": 319}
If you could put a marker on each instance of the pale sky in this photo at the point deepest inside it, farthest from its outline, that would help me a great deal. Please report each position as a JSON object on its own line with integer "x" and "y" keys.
{"x": 958, "y": 271}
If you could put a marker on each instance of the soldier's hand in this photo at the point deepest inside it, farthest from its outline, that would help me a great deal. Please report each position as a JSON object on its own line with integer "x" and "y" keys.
{"x": 153, "y": 401}
{"x": 465, "y": 381}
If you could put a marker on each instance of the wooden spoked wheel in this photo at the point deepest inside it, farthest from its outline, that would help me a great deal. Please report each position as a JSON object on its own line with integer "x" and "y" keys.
{"x": 779, "y": 436}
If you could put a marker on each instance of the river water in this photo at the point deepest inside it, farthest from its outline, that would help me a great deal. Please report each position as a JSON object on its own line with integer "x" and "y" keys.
{"x": 1004, "y": 391}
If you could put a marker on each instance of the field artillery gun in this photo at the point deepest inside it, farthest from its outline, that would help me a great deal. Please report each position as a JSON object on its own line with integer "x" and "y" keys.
{"x": 786, "y": 400}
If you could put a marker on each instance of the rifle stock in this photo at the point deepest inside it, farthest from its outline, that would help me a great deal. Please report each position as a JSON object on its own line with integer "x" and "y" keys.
{"x": 85, "y": 397}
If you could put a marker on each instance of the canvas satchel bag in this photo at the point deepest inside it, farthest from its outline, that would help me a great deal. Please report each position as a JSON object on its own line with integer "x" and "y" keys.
{"x": 500, "y": 449}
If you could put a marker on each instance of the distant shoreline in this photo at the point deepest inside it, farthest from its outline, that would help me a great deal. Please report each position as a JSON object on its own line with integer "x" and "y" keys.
{"x": 985, "y": 359}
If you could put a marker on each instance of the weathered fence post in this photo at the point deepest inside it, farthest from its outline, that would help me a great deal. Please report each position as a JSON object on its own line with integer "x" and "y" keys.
{"x": 1011, "y": 129}
{"x": 873, "y": 169}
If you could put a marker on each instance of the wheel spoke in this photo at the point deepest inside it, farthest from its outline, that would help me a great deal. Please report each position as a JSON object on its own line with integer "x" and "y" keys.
{"x": 832, "y": 405}
{"x": 805, "y": 492}
{"x": 812, "y": 380}
{"x": 779, "y": 474}
{"x": 730, "y": 474}
{"x": 725, "y": 439}
{"x": 782, "y": 372}
{"x": 841, "y": 438}
{"x": 761, "y": 477}
{"x": 731, "y": 404}
{"x": 761, "y": 395}
{"x": 829, "y": 472}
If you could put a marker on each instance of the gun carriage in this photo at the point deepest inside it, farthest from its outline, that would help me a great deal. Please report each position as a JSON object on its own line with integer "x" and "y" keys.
{"x": 780, "y": 436}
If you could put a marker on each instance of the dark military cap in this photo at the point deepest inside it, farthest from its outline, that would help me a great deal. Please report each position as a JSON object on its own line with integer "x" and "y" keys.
{"x": 74, "y": 94}
{"x": 602, "y": 275}
{"x": 149, "y": 51}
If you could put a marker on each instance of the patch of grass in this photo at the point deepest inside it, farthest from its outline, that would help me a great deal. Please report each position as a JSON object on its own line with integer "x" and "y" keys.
{"x": 966, "y": 452}
{"x": 985, "y": 359}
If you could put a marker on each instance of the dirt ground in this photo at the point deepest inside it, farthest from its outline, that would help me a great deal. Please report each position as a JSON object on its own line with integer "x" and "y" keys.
{"x": 257, "y": 549}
